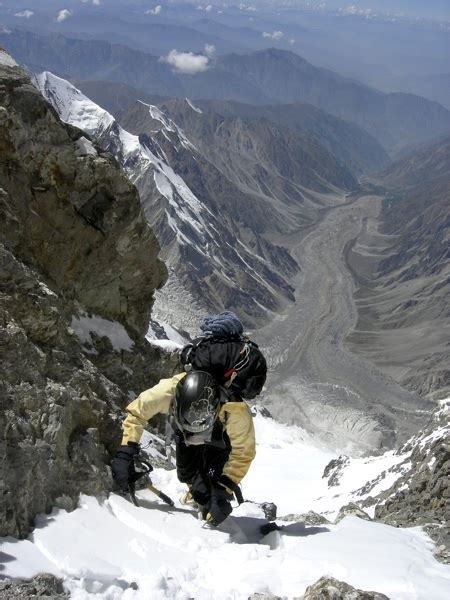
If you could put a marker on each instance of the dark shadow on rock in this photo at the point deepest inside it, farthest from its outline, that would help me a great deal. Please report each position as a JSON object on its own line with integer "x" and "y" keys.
{"x": 41, "y": 522}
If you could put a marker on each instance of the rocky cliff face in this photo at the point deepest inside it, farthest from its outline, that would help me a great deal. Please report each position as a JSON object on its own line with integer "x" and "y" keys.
{"x": 257, "y": 154}
{"x": 79, "y": 268}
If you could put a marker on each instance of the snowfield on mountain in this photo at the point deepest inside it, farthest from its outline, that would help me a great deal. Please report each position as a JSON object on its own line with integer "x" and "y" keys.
{"x": 110, "y": 549}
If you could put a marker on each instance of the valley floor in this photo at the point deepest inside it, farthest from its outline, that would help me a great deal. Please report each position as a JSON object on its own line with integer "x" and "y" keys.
{"x": 315, "y": 379}
{"x": 104, "y": 546}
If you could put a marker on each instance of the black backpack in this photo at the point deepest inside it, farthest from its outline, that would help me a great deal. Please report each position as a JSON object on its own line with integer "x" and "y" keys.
{"x": 236, "y": 363}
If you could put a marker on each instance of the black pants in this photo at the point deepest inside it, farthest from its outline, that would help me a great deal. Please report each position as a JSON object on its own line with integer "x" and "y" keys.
{"x": 201, "y": 465}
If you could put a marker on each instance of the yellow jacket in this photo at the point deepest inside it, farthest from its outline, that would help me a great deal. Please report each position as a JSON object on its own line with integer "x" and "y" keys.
{"x": 235, "y": 417}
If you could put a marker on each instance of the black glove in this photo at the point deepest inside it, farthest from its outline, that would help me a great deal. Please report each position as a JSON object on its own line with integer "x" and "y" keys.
{"x": 123, "y": 469}
{"x": 220, "y": 505}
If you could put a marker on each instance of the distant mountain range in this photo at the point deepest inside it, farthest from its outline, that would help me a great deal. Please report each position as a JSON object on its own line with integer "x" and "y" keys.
{"x": 271, "y": 76}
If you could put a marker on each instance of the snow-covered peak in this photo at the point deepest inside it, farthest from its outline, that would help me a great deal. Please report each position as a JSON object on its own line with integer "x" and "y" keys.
{"x": 72, "y": 105}
{"x": 185, "y": 211}
{"x": 168, "y": 126}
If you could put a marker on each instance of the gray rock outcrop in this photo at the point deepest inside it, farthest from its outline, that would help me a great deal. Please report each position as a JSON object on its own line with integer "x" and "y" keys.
{"x": 79, "y": 267}
{"x": 328, "y": 588}
{"x": 351, "y": 510}
{"x": 333, "y": 470}
{"x": 42, "y": 586}
{"x": 309, "y": 518}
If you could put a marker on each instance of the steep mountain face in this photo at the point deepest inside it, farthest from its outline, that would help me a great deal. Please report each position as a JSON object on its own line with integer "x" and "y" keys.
{"x": 403, "y": 269}
{"x": 79, "y": 270}
{"x": 210, "y": 232}
{"x": 346, "y": 141}
{"x": 263, "y": 159}
{"x": 269, "y": 76}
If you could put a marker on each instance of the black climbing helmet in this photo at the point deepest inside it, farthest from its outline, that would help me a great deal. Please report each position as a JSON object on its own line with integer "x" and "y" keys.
{"x": 197, "y": 403}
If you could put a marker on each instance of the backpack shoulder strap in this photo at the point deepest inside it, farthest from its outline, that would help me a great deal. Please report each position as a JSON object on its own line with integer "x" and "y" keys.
{"x": 229, "y": 483}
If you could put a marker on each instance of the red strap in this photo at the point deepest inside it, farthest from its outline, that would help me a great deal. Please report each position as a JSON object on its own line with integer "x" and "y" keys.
{"x": 229, "y": 373}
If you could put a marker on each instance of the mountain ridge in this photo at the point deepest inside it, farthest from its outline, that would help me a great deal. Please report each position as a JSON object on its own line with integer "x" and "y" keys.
{"x": 351, "y": 145}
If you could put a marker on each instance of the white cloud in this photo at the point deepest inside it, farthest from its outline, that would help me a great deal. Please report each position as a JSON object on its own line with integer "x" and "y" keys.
{"x": 63, "y": 15}
{"x": 96, "y": 2}
{"x": 209, "y": 8}
{"x": 26, "y": 14}
{"x": 247, "y": 7}
{"x": 292, "y": 41}
{"x": 154, "y": 11}
{"x": 210, "y": 50}
{"x": 187, "y": 63}
{"x": 274, "y": 35}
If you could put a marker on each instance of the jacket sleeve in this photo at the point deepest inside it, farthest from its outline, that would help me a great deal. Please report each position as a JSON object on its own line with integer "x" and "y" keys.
{"x": 240, "y": 429}
{"x": 151, "y": 402}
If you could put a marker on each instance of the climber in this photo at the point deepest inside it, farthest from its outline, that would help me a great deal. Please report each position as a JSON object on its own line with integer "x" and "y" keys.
{"x": 211, "y": 422}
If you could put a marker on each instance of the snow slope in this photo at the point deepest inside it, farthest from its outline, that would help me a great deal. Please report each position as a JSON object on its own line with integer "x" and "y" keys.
{"x": 109, "y": 549}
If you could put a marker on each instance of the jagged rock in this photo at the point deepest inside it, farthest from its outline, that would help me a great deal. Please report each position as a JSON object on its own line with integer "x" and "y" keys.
{"x": 309, "y": 518}
{"x": 270, "y": 510}
{"x": 259, "y": 596}
{"x": 334, "y": 469}
{"x": 352, "y": 510}
{"x": 256, "y": 409}
{"x": 328, "y": 588}
{"x": 73, "y": 244}
{"x": 421, "y": 496}
{"x": 41, "y": 586}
